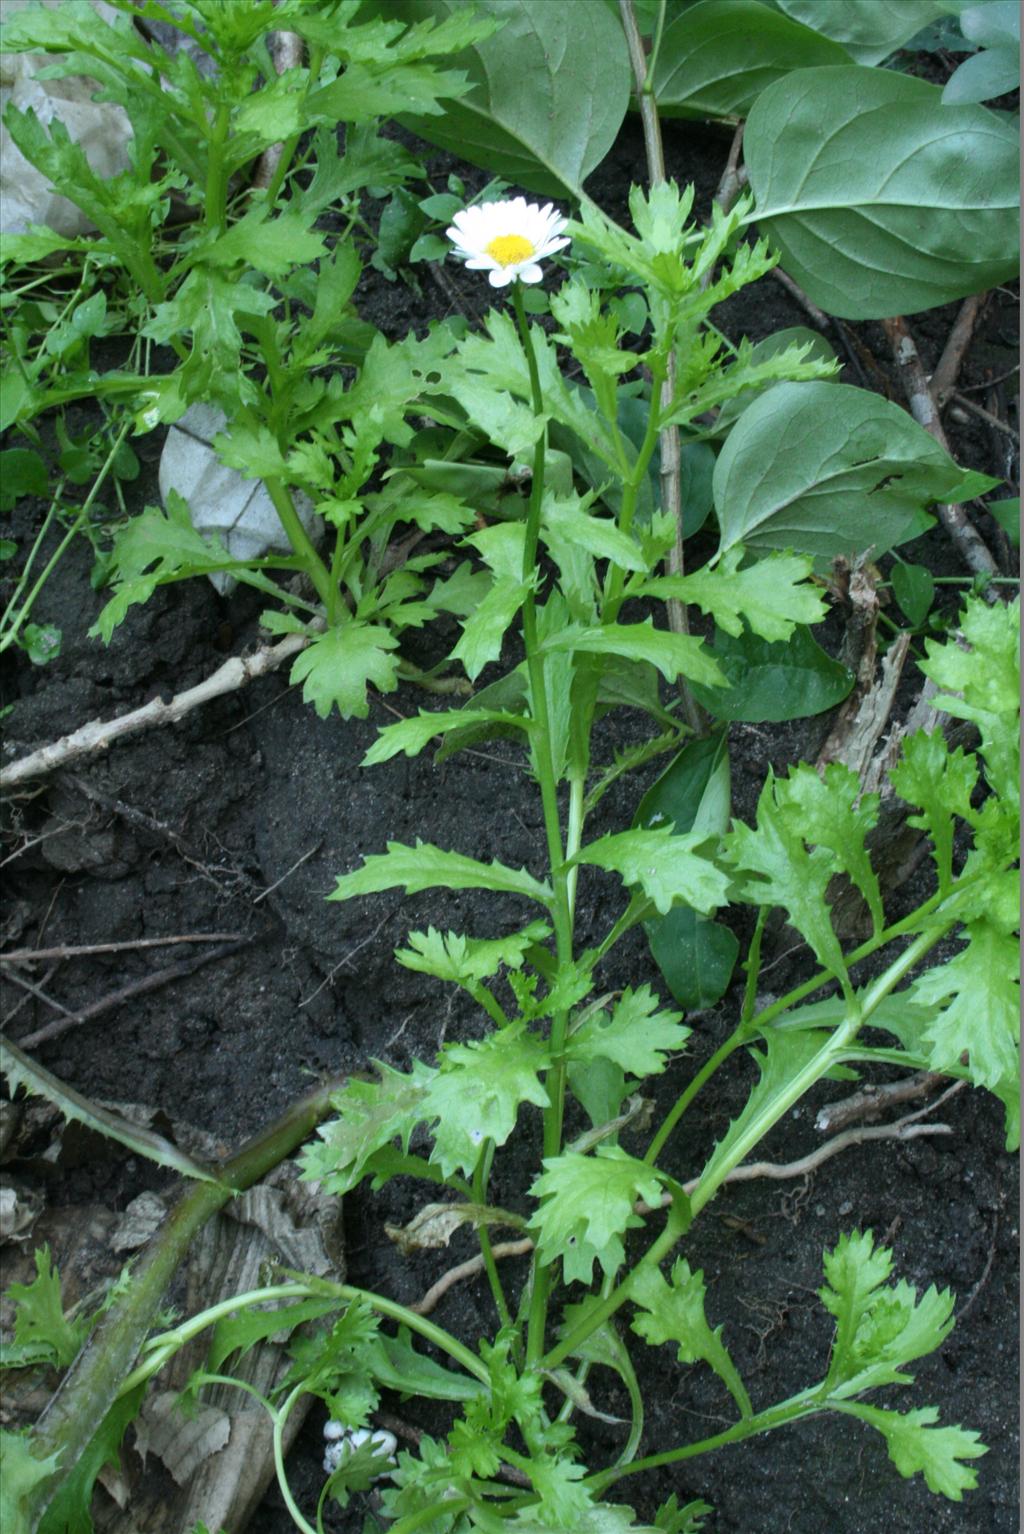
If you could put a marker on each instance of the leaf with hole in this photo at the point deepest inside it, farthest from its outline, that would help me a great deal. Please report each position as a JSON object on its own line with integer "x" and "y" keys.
{"x": 826, "y": 469}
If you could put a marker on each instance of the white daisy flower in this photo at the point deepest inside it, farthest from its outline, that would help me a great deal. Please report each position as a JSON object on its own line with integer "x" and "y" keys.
{"x": 507, "y": 239}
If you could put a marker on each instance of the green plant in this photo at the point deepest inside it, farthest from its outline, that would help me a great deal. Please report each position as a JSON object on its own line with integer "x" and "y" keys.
{"x": 218, "y": 278}
{"x": 605, "y": 1211}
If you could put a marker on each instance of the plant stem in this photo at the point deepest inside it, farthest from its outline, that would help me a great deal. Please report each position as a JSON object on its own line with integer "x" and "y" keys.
{"x": 740, "y": 1036}
{"x": 561, "y": 908}
{"x": 804, "y": 1405}
{"x": 83, "y": 512}
{"x": 447, "y": 1508}
{"x": 71, "y": 1418}
{"x": 607, "y": 1307}
{"x": 281, "y": 497}
{"x": 215, "y": 207}
{"x": 481, "y": 1174}
{"x": 281, "y": 1415}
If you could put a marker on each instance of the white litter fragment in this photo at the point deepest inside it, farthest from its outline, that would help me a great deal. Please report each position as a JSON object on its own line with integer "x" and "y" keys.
{"x": 220, "y": 501}
{"x": 342, "y": 1443}
{"x": 102, "y": 129}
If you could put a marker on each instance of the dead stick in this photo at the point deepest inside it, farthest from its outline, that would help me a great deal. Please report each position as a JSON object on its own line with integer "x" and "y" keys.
{"x": 826, "y": 323}
{"x": 949, "y": 364}
{"x": 128, "y": 993}
{"x": 986, "y": 415}
{"x": 26, "y": 955}
{"x": 100, "y": 735}
{"x": 285, "y": 49}
{"x": 873, "y": 1100}
{"x": 964, "y": 535}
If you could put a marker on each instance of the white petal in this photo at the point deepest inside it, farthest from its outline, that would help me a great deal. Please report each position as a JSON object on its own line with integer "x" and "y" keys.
{"x": 501, "y": 277}
{"x": 529, "y": 274}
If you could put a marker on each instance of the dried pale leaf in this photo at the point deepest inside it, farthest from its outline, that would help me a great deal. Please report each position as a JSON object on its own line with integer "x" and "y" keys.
{"x": 142, "y": 1218}
{"x": 181, "y": 1441}
{"x": 20, "y": 1207}
{"x": 435, "y": 1225}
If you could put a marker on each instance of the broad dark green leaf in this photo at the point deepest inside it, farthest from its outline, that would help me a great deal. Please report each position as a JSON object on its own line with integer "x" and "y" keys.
{"x": 903, "y": 204}
{"x": 914, "y": 589}
{"x": 696, "y": 956}
{"x": 826, "y": 469}
{"x": 1007, "y": 514}
{"x": 693, "y": 791}
{"x": 549, "y": 91}
{"x": 719, "y": 55}
{"x": 983, "y": 76}
{"x": 794, "y": 679}
{"x": 22, "y": 472}
{"x": 869, "y": 30}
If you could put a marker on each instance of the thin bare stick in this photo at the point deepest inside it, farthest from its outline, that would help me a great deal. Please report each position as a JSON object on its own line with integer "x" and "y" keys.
{"x": 964, "y": 535}
{"x": 288, "y": 872}
{"x": 986, "y": 415}
{"x": 733, "y": 178}
{"x": 751, "y": 1171}
{"x": 826, "y": 323}
{"x": 948, "y": 368}
{"x": 870, "y": 1101}
{"x": 128, "y": 993}
{"x": 100, "y": 735}
{"x": 468, "y": 1269}
{"x": 983, "y": 1280}
{"x": 40, "y": 995}
{"x": 72, "y": 951}
{"x": 796, "y": 292}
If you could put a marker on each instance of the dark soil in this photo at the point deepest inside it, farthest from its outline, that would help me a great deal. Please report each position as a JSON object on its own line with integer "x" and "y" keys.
{"x": 240, "y": 818}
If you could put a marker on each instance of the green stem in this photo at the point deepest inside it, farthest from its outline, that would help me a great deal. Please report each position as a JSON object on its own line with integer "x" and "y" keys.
{"x": 83, "y": 513}
{"x": 215, "y": 209}
{"x": 301, "y": 542}
{"x": 741, "y": 1036}
{"x": 804, "y": 1405}
{"x": 447, "y": 1508}
{"x": 280, "y": 1418}
{"x": 561, "y": 906}
{"x": 602, "y": 1312}
{"x": 37, "y": 544}
{"x": 481, "y": 1175}
{"x": 92, "y": 1385}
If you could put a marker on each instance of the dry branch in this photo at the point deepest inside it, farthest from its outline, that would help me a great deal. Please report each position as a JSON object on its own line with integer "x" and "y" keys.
{"x": 100, "y": 734}
{"x": 968, "y": 541}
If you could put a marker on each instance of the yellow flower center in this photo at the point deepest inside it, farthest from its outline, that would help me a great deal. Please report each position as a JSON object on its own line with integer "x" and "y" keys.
{"x": 507, "y": 249}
